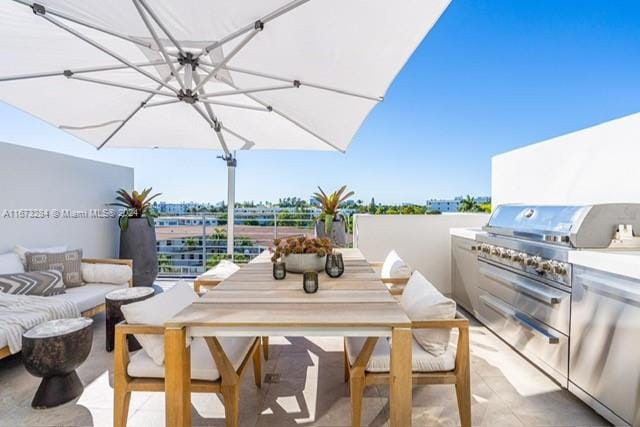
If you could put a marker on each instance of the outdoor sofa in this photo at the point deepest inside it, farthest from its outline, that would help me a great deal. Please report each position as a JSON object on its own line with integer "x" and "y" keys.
{"x": 19, "y": 312}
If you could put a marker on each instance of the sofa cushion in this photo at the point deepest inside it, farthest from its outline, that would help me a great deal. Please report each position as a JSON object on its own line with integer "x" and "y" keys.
{"x": 394, "y": 267}
{"x": 380, "y": 361}
{"x": 203, "y": 366}
{"x": 21, "y": 251}
{"x": 40, "y": 283}
{"x": 10, "y": 263}
{"x": 422, "y": 301}
{"x": 68, "y": 263}
{"x": 156, "y": 311}
{"x": 106, "y": 273}
{"x": 90, "y": 295}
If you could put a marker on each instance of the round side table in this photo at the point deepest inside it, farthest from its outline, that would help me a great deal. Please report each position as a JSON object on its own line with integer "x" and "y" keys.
{"x": 53, "y": 350}
{"x": 116, "y": 299}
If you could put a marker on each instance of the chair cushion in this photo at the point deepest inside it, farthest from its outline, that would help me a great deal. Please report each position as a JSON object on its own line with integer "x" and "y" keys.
{"x": 10, "y": 263}
{"x": 203, "y": 367}
{"x": 394, "y": 267}
{"x": 221, "y": 271}
{"x": 21, "y": 251}
{"x": 90, "y": 295}
{"x": 380, "y": 361}
{"x": 156, "y": 311}
{"x": 422, "y": 301}
{"x": 106, "y": 273}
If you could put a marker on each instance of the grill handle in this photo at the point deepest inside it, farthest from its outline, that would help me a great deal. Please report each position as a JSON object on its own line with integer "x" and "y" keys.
{"x": 521, "y": 285}
{"x": 521, "y": 319}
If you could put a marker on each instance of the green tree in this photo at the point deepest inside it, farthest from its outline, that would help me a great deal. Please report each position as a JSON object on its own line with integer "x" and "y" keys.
{"x": 164, "y": 264}
{"x": 468, "y": 204}
{"x": 191, "y": 243}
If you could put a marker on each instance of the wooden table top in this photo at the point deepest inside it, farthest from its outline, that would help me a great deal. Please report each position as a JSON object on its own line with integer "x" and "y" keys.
{"x": 251, "y": 297}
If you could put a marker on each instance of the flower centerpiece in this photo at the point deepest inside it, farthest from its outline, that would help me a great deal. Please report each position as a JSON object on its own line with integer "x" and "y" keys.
{"x": 301, "y": 253}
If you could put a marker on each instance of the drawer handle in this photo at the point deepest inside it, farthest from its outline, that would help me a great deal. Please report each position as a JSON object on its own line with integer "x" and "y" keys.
{"x": 525, "y": 288}
{"x": 521, "y": 319}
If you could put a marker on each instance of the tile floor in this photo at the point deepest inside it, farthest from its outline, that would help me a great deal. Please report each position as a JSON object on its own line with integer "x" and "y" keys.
{"x": 506, "y": 391}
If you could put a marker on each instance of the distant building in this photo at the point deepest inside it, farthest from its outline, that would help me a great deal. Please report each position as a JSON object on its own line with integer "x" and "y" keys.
{"x": 451, "y": 205}
{"x": 182, "y": 221}
{"x": 182, "y": 208}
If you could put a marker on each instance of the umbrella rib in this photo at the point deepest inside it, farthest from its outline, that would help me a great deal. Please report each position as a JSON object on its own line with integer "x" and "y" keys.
{"x": 133, "y": 113}
{"x": 155, "y": 37}
{"x": 269, "y": 17}
{"x": 245, "y": 91}
{"x": 159, "y": 103}
{"x": 235, "y": 105}
{"x": 286, "y": 117}
{"x": 230, "y": 55}
{"x": 86, "y": 24}
{"x": 116, "y": 84}
{"x": 161, "y": 25}
{"x": 207, "y": 107}
{"x": 216, "y": 126}
{"x": 303, "y": 83}
{"x": 98, "y": 46}
{"x": 79, "y": 71}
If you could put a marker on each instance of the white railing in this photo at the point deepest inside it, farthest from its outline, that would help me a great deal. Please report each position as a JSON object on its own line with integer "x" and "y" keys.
{"x": 190, "y": 244}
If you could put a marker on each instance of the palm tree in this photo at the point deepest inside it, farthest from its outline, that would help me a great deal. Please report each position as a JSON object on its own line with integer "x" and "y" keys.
{"x": 468, "y": 204}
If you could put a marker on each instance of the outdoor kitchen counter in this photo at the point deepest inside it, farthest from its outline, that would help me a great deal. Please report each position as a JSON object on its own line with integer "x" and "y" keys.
{"x": 465, "y": 233}
{"x": 624, "y": 263}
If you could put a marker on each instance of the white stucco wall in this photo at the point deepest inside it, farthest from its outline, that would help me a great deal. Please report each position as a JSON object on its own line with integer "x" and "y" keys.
{"x": 37, "y": 179}
{"x": 600, "y": 164}
{"x": 423, "y": 241}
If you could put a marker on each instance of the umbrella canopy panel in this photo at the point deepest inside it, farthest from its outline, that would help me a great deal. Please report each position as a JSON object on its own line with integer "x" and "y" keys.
{"x": 223, "y": 74}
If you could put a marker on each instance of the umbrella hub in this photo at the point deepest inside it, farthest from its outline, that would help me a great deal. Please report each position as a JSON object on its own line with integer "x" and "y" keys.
{"x": 188, "y": 96}
{"x": 188, "y": 58}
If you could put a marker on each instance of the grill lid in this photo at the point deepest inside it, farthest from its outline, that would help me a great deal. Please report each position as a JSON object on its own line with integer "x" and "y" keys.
{"x": 578, "y": 226}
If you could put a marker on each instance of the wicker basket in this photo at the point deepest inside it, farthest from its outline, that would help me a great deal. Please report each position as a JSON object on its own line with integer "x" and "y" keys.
{"x": 299, "y": 263}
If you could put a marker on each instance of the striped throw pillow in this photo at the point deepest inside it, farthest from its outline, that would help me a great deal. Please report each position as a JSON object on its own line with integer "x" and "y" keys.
{"x": 41, "y": 283}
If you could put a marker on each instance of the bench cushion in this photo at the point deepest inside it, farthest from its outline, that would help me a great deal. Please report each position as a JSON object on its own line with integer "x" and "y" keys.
{"x": 203, "y": 366}
{"x": 394, "y": 267}
{"x": 380, "y": 360}
{"x": 106, "y": 273}
{"x": 221, "y": 271}
{"x": 90, "y": 295}
{"x": 10, "y": 263}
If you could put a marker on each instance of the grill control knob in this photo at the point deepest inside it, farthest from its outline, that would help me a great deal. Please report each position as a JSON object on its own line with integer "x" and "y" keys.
{"x": 506, "y": 253}
{"x": 533, "y": 261}
{"x": 495, "y": 251}
{"x": 560, "y": 268}
{"x": 546, "y": 265}
{"x": 518, "y": 256}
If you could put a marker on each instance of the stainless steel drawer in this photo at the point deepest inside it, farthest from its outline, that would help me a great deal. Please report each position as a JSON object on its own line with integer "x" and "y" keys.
{"x": 545, "y": 303}
{"x": 545, "y": 347}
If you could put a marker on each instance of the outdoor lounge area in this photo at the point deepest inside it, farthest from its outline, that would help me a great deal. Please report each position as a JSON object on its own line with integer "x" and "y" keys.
{"x": 209, "y": 216}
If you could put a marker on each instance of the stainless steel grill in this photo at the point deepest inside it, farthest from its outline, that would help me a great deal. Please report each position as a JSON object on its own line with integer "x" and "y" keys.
{"x": 525, "y": 279}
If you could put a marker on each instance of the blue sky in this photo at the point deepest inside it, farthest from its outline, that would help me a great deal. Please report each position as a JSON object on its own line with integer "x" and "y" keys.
{"x": 492, "y": 75}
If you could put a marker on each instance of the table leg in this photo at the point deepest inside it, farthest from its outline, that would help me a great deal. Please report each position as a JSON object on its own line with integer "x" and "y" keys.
{"x": 177, "y": 378}
{"x": 400, "y": 384}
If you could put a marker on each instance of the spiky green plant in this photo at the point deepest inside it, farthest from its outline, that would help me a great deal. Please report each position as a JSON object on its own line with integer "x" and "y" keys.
{"x": 136, "y": 205}
{"x": 330, "y": 205}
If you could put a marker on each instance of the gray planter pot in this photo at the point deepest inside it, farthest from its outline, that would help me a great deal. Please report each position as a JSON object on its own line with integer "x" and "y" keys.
{"x": 301, "y": 263}
{"x": 138, "y": 243}
{"x": 338, "y": 233}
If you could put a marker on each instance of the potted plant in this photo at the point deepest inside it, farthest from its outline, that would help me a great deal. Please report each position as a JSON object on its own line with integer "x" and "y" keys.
{"x": 137, "y": 234}
{"x": 301, "y": 254}
{"x": 332, "y": 223}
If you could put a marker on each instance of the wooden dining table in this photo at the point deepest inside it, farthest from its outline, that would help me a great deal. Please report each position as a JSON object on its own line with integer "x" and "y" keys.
{"x": 252, "y": 303}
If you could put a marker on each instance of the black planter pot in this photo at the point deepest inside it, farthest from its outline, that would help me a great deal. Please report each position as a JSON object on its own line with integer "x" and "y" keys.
{"x": 138, "y": 243}
{"x": 338, "y": 232}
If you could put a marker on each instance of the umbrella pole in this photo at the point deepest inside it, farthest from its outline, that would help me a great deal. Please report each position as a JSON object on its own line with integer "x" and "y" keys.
{"x": 231, "y": 201}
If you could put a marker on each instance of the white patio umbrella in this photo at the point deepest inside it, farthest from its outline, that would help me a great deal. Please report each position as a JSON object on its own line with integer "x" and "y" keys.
{"x": 220, "y": 74}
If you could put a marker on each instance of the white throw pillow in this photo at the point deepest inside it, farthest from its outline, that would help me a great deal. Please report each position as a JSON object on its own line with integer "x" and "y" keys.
{"x": 422, "y": 301}
{"x": 22, "y": 251}
{"x": 394, "y": 267}
{"x": 156, "y": 311}
{"x": 10, "y": 263}
{"x": 222, "y": 270}
{"x": 106, "y": 273}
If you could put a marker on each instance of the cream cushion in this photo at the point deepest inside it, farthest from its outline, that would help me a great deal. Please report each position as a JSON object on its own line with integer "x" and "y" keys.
{"x": 10, "y": 263}
{"x": 21, "y": 251}
{"x": 156, "y": 311}
{"x": 422, "y": 301}
{"x": 203, "y": 366}
{"x": 106, "y": 273}
{"x": 88, "y": 296}
{"x": 380, "y": 361}
{"x": 394, "y": 267}
{"x": 221, "y": 271}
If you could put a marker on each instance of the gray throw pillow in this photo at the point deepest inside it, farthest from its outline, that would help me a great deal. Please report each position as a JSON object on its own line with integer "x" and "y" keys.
{"x": 41, "y": 283}
{"x": 68, "y": 263}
